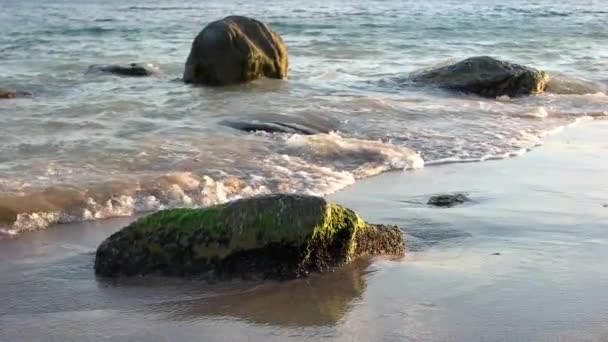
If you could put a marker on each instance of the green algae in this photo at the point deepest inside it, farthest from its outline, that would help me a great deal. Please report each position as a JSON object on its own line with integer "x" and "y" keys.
{"x": 281, "y": 235}
{"x": 181, "y": 220}
{"x": 220, "y": 230}
{"x": 336, "y": 219}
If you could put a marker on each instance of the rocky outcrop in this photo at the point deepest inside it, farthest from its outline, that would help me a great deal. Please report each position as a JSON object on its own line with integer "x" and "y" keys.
{"x": 277, "y": 236}
{"x": 235, "y": 50}
{"x": 133, "y": 69}
{"x": 486, "y": 76}
{"x": 448, "y": 200}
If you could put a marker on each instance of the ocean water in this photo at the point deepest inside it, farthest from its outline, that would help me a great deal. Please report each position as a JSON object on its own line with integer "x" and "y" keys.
{"x": 90, "y": 146}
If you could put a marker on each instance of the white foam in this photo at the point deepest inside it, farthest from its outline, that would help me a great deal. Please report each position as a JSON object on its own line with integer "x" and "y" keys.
{"x": 363, "y": 158}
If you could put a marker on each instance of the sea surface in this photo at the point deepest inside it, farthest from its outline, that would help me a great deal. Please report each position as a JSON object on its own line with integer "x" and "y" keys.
{"x": 90, "y": 146}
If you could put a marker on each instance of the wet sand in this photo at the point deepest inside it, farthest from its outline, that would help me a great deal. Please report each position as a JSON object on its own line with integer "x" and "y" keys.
{"x": 524, "y": 261}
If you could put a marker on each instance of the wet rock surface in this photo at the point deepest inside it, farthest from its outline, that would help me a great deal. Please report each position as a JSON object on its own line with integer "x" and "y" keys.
{"x": 448, "y": 200}
{"x": 133, "y": 69}
{"x": 487, "y": 77}
{"x": 235, "y": 50}
{"x": 276, "y": 236}
{"x": 11, "y": 94}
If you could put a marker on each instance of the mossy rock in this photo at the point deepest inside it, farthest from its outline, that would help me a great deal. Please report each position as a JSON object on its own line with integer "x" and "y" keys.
{"x": 487, "y": 77}
{"x": 277, "y": 236}
{"x": 235, "y": 50}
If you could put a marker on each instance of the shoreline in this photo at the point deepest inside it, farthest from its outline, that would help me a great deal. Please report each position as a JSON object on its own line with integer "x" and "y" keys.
{"x": 36, "y": 218}
{"x": 543, "y": 213}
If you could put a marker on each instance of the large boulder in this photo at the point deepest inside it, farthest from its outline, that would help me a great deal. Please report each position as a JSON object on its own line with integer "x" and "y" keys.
{"x": 486, "y": 76}
{"x": 234, "y": 50}
{"x": 276, "y": 236}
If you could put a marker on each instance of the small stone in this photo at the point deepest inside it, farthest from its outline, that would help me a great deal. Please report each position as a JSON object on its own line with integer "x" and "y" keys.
{"x": 7, "y": 94}
{"x": 448, "y": 200}
{"x": 496, "y": 253}
{"x": 11, "y": 94}
{"x": 133, "y": 69}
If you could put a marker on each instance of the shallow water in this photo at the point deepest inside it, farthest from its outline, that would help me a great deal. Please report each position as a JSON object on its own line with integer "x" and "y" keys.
{"x": 90, "y": 146}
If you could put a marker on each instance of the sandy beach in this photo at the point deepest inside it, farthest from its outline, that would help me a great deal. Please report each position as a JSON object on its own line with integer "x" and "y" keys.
{"x": 523, "y": 261}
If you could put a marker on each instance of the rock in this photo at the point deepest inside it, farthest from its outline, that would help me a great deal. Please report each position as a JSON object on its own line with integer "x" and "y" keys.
{"x": 497, "y": 253}
{"x": 305, "y": 124}
{"x": 268, "y": 127}
{"x": 133, "y": 69}
{"x": 486, "y": 76}
{"x": 235, "y": 50}
{"x": 448, "y": 200}
{"x": 7, "y": 94}
{"x": 274, "y": 127}
{"x": 277, "y": 236}
{"x": 11, "y": 94}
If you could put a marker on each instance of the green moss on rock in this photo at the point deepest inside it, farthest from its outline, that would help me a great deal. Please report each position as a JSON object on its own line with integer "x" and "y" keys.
{"x": 278, "y": 236}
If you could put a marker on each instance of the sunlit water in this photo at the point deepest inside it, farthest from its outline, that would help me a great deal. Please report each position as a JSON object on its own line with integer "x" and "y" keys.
{"x": 89, "y": 146}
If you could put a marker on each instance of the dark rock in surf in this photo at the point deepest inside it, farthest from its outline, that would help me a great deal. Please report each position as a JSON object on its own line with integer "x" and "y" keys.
{"x": 487, "y": 77}
{"x": 277, "y": 236}
{"x": 133, "y": 69}
{"x": 448, "y": 200}
{"x": 271, "y": 127}
{"x": 234, "y": 50}
{"x": 11, "y": 94}
{"x": 297, "y": 123}
{"x": 7, "y": 94}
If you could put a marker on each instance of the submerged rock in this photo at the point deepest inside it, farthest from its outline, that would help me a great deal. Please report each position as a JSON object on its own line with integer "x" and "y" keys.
{"x": 7, "y": 94}
{"x": 486, "y": 76}
{"x": 448, "y": 200}
{"x": 277, "y": 236}
{"x": 269, "y": 127}
{"x": 306, "y": 124}
{"x": 235, "y": 50}
{"x": 133, "y": 69}
{"x": 11, "y": 94}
